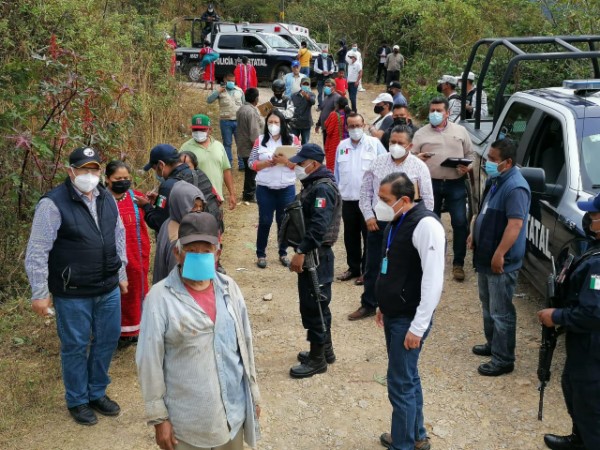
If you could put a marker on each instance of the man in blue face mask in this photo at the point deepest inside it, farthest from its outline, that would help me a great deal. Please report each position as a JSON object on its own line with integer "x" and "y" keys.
{"x": 195, "y": 357}
{"x": 498, "y": 243}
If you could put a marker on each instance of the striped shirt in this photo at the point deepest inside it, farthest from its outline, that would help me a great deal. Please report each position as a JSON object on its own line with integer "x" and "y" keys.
{"x": 384, "y": 165}
{"x": 44, "y": 229}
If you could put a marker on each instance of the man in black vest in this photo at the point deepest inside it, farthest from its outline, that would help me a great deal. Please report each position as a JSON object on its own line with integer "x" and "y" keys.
{"x": 324, "y": 67}
{"x": 408, "y": 290}
{"x": 322, "y": 209}
{"x": 76, "y": 253}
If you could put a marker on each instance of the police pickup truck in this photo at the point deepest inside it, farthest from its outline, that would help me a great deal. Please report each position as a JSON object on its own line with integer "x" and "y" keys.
{"x": 270, "y": 54}
{"x": 557, "y": 131}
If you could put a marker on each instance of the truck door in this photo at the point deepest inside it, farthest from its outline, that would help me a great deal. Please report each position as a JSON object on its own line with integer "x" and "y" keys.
{"x": 547, "y": 151}
{"x": 251, "y": 46}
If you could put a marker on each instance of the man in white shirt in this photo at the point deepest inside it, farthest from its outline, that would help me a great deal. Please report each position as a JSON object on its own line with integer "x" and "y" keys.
{"x": 447, "y": 86}
{"x": 408, "y": 290}
{"x": 383, "y": 108}
{"x": 353, "y": 157}
{"x": 354, "y": 77}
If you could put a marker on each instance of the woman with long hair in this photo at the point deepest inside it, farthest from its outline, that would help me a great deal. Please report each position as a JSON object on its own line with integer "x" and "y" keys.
{"x": 137, "y": 241}
{"x": 336, "y": 130}
{"x": 275, "y": 181}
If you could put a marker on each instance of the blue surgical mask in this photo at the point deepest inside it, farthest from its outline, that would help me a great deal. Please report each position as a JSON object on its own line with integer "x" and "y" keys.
{"x": 491, "y": 168}
{"x": 230, "y": 85}
{"x": 306, "y": 88}
{"x": 327, "y": 90}
{"x": 199, "y": 266}
{"x": 436, "y": 118}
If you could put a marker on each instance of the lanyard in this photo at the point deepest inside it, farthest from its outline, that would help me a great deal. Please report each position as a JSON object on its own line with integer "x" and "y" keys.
{"x": 393, "y": 232}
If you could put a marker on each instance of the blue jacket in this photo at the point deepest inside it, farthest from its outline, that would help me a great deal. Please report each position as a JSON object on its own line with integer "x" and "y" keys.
{"x": 507, "y": 196}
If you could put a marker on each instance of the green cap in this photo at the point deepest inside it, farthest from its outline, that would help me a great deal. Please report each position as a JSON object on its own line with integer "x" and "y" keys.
{"x": 200, "y": 121}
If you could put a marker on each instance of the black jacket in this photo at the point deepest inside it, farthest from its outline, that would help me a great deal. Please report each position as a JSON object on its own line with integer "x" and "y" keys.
{"x": 302, "y": 119}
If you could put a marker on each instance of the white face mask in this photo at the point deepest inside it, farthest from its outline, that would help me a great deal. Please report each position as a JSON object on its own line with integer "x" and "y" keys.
{"x": 86, "y": 183}
{"x": 274, "y": 129}
{"x": 385, "y": 212}
{"x": 300, "y": 173}
{"x": 200, "y": 136}
{"x": 356, "y": 134}
{"x": 397, "y": 151}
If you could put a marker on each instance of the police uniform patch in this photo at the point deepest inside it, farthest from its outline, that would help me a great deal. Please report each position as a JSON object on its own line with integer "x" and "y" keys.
{"x": 322, "y": 202}
{"x": 595, "y": 282}
{"x": 344, "y": 151}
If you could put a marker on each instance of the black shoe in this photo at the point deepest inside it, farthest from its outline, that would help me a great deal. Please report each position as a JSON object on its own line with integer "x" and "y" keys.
{"x": 482, "y": 350}
{"x": 315, "y": 364}
{"x": 329, "y": 355}
{"x": 571, "y": 442}
{"x": 490, "y": 369}
{"x": 83, "y": 415}
{"x": 105, "y": 406}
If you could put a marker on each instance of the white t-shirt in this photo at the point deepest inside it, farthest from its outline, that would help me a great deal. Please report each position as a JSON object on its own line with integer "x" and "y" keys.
{"x": 353, "y": 71}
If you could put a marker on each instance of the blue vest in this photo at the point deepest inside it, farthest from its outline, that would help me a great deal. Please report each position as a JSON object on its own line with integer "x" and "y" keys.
{"x": 83, "y": 261}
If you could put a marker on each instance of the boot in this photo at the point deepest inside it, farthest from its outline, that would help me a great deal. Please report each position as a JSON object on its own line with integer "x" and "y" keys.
{"x": 329, "y": 355}
{"x": 315, "y": 364}
{"x": 571, "y": 442}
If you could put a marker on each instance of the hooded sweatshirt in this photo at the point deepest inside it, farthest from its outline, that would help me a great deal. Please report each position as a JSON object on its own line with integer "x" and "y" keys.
{"x": 181, "y": 201}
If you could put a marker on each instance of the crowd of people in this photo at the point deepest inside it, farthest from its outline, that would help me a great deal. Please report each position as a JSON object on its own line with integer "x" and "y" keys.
{"x": 387, "y": 180}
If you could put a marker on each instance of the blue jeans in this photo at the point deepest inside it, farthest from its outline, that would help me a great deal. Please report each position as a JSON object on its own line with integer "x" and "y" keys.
{"x": 305, "y": 71}
{"x": 404, "y": 385}
{"x": 271, "y": 201}
{"x": 499, "y": 314}
{"x": 303, "y": 135}
{"x": 372, "y": 265}
{"x": 228, "y": 128}
{"x": 454, "y": 195}
{"x": 352, "y": 91}
{"x": 320, "y": 86}
{"x": 341, "y": 66}
{"x": 89, "y": 330}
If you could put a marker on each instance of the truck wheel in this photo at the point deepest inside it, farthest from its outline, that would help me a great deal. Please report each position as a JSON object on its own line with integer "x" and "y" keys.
{"x": 281, "y": 72}
{"x": 194, "y": 72}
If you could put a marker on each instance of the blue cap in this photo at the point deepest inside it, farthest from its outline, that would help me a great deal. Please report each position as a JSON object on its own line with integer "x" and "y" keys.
{"x": 161, "y": 152}
{"x": 309, "y": 151}
{"x": 295, "y": 63}
{"x": 592, "y": 205}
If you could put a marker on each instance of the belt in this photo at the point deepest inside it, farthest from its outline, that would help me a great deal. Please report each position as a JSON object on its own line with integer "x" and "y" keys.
{"x": 446, "y": 180}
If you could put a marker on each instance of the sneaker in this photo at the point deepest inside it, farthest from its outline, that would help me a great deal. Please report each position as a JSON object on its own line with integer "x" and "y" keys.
{"x": 106, "y": 406}
{"x": 285, "y": 261}
{"x": 261, "y": 263}
{"x": 458, "y": 273}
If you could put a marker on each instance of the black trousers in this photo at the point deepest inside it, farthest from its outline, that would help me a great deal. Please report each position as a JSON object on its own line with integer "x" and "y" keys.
{"x": 583, "y": 404}
{"x": 372, "y": 265}
{"x": 392, "y": 75}
{"x": 381, "y": 70}
{"x": 249, "y": 182}
{"x": 309, "y": 310}
{"x": 355, "y": 236}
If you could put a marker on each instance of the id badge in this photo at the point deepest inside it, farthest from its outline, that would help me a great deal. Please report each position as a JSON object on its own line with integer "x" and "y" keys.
{"x": 384, "y": 264}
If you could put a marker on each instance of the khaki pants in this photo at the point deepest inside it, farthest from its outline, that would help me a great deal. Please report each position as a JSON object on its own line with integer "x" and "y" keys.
{"x": 237, "y": 443}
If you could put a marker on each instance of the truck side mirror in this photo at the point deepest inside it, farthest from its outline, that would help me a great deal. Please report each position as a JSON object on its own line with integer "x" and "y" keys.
{"x": 536, "y": 178}
{"x": 260, "y": 49}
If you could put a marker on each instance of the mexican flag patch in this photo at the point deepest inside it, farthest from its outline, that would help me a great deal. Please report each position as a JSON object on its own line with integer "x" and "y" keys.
{"x": 321, "y": 203}
{"x": 344, "y": 151}
{"x": 595, "y": 282}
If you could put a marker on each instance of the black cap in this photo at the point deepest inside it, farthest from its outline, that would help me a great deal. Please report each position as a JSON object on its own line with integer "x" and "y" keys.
{"x": 161, "y": 152}
{"x": 198, "y": 227}
{"x": 395, "y": 84}
{"x": 82, "y": 156}
{"x": 309, "y": 151}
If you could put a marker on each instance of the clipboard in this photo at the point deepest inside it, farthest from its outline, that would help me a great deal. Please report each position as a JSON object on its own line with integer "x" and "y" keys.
{"x": 286, "y": 150}
{"x": 455, "y": 162}
{"x": 265, "y": 108}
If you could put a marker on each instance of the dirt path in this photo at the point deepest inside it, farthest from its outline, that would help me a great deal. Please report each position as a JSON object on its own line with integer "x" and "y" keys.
{"x": 345, "y": 408}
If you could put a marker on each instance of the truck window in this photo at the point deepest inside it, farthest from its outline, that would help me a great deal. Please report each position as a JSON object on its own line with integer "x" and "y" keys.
{"x": 231, "y": 42}
{"x": 590, "y": 159}
{"x": 249, "y": 42}
{"x": 548, "y": 153}
{"x": 515, "y": 122}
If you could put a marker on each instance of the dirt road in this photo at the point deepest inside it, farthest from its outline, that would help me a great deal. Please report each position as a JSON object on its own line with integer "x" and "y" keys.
{"x": 347, "y": 407}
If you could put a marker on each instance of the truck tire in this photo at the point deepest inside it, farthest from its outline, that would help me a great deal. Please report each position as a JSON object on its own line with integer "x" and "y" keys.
{"x": 194, "y": 72}
{"x": 281, "y": 71}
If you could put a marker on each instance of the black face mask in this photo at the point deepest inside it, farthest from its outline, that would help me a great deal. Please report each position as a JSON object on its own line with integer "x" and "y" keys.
{"x": 378, "y": 109}
{"x": 121, "y": 186}
{"x": 400, "y": 121}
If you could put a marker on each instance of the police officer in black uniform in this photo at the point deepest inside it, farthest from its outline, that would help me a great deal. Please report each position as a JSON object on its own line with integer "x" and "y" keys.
{"x": 580, "y": 317}
{"x": 321, "y": 208}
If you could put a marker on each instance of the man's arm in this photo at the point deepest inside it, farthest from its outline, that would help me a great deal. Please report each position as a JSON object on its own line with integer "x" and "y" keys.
{"x": 321, "y": 218}
{"x": 425, "y": 186}
{"x": 228, "y": 179}
{"x": 365, "y": 202}
{"x": 316, "y": 67}
{"x": 289, "y": 110}
{"x": 122, "y": 252}
{"x": 214, "y": 95}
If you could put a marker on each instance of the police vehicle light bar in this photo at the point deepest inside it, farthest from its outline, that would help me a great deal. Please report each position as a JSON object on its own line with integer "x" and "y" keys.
{"x": 582, "y": 85}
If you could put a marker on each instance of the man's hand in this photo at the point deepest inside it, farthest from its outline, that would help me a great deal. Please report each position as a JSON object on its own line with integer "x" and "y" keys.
{"x": 297, "y": 262}
{"x": 124, "y": 286}
{"x": 141, "y": 200}
{"x": 462, "y": 169}
{"x": 372, "y": 224}
{"x": 545, "y": 317}
{"x": 41, "y": 306}
{"x": 221, "y": 89}
{"x": 165, "y": 438}
{"x": 498, "y": 263}
{"x": 411, "y": 341}
{"x": 152, "y": 196}
{"x": 258, "y": 410}
{"x": 232, "y": 202}
{"x": 379, "y": 318}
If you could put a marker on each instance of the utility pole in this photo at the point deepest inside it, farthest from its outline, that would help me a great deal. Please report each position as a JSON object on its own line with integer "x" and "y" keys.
{"x": 282, "y": 11}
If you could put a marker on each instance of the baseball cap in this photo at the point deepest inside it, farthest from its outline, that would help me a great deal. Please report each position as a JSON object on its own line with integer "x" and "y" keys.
{"x": 448, "y": 79}
{"x": 592, "y": 205}
{"x": 308, "y": 151}
{"x": 295, "y": 63}
{"x": 305, "y": 80}
{"x": 198, "y": 227}
{"x": 82, "y": 156}
{"x": 200, "y": 122}
{"x": 161, "y": 152}
{"x": 396, "y": 47}
{"x": 470, "y": 76}
{"x": 384, "y": 97}
{"x": 395, "y": 84}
